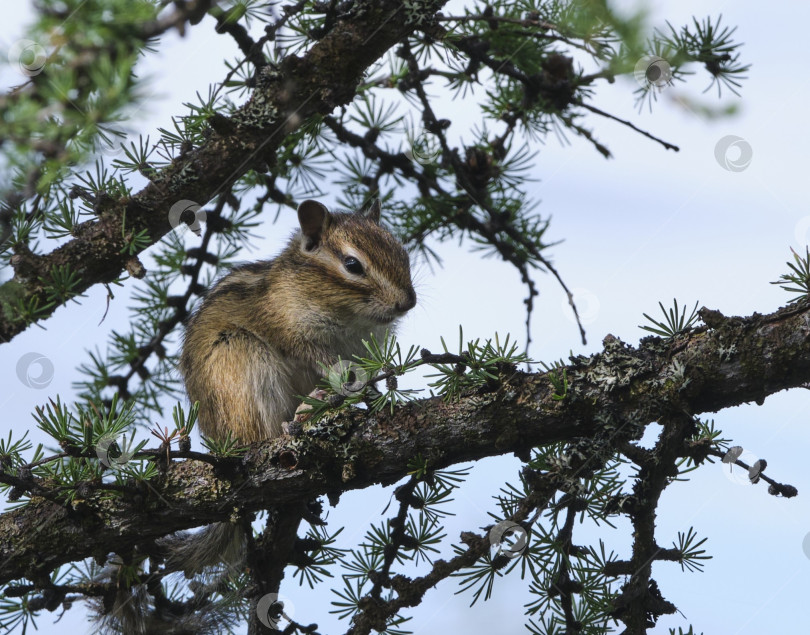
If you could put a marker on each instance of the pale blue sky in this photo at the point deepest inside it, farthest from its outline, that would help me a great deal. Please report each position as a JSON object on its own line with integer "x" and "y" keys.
{"x": 647, "y": 225}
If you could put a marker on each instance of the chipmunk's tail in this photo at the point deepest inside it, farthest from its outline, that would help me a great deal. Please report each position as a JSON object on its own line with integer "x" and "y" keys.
{"x": 219, "y": 545}
{"x": 217, "y": 551}
{"x": 211, "y": 555}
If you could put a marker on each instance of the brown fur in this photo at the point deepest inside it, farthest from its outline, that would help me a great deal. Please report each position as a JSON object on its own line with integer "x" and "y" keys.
{"x": 256, "y": 341}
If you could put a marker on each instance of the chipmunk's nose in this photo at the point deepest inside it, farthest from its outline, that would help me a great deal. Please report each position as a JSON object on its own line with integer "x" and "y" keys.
{"x": 409, "y": 301}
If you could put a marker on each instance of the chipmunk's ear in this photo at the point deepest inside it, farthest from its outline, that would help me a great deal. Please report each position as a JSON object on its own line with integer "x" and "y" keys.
{"x": 372, "y": 212}
{"x": 314, "y": 218}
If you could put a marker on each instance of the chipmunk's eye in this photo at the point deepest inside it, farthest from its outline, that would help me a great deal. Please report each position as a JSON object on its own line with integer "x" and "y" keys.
{"x": 353, "y": 265}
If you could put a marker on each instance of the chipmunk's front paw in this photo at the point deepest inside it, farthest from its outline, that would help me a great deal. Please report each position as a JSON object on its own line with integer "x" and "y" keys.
{"x": 304, "y": 411}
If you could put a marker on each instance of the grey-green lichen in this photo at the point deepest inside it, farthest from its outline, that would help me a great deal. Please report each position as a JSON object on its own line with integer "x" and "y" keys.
{"x": 614, "y": 368}
{"x": 420, "y": 12}
{"x": 261, "y": 110}
{"x": 726, "y": 352}
{"x": 329, "y": 430}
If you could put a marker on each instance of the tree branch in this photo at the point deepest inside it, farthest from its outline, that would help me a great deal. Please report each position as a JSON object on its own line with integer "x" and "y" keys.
{"x": 736, "y": 360}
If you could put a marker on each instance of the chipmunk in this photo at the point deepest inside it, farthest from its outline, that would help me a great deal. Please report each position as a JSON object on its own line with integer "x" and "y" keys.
{"x": 264, "y": 334}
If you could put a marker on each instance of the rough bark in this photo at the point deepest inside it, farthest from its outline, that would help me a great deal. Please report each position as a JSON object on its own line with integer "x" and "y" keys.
{"x": 728, "y": 362}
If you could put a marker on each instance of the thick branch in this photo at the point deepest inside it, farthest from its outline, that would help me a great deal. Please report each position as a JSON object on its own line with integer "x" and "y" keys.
{"x": 736, "y": 361}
